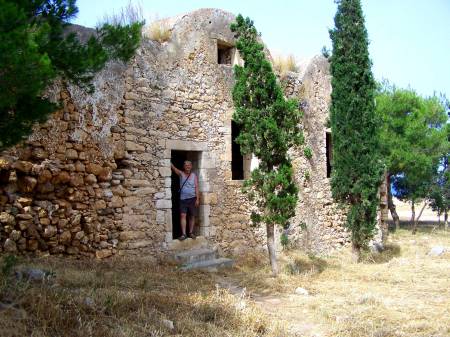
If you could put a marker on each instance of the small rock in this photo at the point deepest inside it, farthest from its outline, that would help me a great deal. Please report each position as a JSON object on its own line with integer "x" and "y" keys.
{"x": 10, "y": 246}
{"x": 437, "y": 251}
{"x": 101, "y": 254}
{"x": 50, "y": 231}
{"x": 33, "y": 274}
{"x": 15, "y": 235}
{"x": 23, "y": 166}
{"x": 7, "y": 218}
{"x": 90, "y": 179}
{"x": 301, "y": 291}
{"x": 168, "y": 324}
{"x": 65, "y": 237}
{"x": 89, "y": 302}
{"x": 376, "y": 247}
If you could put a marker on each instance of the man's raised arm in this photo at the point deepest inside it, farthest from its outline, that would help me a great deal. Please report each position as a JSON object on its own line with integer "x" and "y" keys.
{"x": 174, "y": 169}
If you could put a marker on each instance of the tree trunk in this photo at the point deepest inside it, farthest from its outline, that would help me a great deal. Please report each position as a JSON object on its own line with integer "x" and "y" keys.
{"x": 446, "y": 220}
{"x": 271, "y": 248}
{"x": 391, "y": 205}
{"x": 416, "y": 220}
{"x": 413, "y": 217}
{"x": 439, "y": 220}
{"x": 356, "y": 253}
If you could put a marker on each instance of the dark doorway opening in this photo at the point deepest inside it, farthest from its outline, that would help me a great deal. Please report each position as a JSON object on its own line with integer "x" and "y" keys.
{"x": 177, "y": 159}
{"x": 237, "y": 159}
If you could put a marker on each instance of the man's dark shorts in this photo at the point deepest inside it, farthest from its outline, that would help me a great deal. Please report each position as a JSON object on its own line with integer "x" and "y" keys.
{"x": 188, "y": 205}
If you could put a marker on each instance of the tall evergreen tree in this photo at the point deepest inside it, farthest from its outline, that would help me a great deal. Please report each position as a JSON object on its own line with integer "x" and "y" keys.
{"x": 357, "y": 169}
{"x": 35, "y": 48}
{"x": 269, "y": 128}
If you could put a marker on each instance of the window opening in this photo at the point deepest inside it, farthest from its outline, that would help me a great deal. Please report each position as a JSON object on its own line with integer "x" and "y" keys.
{"x": 329, "y": 153}
{"x": 237, "y": 159}
{"x": 224, "y": 53}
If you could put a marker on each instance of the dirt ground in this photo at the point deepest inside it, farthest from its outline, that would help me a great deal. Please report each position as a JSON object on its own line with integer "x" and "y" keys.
{"x": 402, "y": 292}
{"x": 404, "y": 211}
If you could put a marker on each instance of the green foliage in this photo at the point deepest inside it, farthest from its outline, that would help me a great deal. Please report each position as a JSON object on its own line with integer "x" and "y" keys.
{"x": 326, "y": 52}
{"x": 308, "y": 152}
{"x": 357, "y": 167}
{"x": 35, "y": 48}
{"x": 9, "y": 262}
{"x": 414, "y": 139}
{"x": 269, "y": 127}
{"x": 284, "y": 240}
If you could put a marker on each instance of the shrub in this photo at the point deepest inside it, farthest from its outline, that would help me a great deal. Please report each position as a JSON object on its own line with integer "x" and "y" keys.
{"x": 158, "y": 31}
{"x": 283, "y": 64}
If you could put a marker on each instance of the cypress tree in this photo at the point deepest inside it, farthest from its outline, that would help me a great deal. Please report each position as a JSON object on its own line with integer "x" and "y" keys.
{"x": 269, "y": 127}
{"x": 35, "y": 48}
{"x": 357, "y": 167}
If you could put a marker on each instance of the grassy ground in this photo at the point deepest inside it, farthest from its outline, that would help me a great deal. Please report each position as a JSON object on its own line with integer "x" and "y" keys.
{"x": 401, "y": 292}
{"x": 125, "y": 298}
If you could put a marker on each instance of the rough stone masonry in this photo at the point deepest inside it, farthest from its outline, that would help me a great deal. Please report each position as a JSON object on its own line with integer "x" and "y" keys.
{"x": 95, "y": 179}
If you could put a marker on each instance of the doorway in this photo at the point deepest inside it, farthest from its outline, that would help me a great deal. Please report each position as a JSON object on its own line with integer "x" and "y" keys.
{"x": 177, "y": 159}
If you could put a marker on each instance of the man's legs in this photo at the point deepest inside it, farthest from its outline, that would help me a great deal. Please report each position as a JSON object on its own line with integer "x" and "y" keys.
{"x": 191, "y": 224}
{"x": 183, "y": 223}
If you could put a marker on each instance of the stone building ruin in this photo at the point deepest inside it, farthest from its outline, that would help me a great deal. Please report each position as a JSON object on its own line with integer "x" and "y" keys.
{"x": 95, "y": 179}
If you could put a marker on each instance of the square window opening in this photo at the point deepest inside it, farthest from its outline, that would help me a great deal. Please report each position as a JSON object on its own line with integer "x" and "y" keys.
{"x": 224, "y": 53}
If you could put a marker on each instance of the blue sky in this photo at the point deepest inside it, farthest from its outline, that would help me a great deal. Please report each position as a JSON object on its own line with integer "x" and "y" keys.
{"x": 409, "y": 39}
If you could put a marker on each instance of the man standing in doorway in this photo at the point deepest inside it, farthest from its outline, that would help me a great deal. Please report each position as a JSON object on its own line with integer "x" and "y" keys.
{"x": 189, "y": 198}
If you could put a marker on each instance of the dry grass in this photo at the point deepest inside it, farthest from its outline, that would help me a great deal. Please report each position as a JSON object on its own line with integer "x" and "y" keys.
{"x": 283, "y": 64}
{"x": 401, "y": 292}
{"x": 158, "y": 31}
{"x": 125, "y": 298}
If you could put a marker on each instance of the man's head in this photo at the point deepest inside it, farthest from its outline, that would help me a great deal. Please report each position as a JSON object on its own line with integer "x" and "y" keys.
{"x": 187, "y": 166}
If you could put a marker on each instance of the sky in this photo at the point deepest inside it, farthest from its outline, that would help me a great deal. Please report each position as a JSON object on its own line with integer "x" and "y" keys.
{"x": 409, "y": 39}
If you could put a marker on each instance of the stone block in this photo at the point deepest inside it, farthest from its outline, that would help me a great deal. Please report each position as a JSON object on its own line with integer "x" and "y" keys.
{"x": 104, "y": 253}
{"x": 116, "y": 201}
{"x": 165, "y": 171}
{"x": 26, "y": 184}
{"x": 167, "y": 182}
{"x": 132, "y": 146}
{"x": 207, "y": 163}
{"x": 144, "y": 191}
{"x": 131, "y": 235}
{"x": 163, "y": 204}
{"x": 168, "y": 221}
{"x": 105, "y": 174}
{"x": 140, "y": 244}
{"x": 160, "y": 217}
{"x": 137, "y": 182}
{"x": 131, "y": 201}
{"x": 7, "y": 219}
{"x": 50, "y": 231}
{"x": 90, "y": 179}
{"x": 22, "y": 166}
{"x": 71, "y": 154}
{"x": 10, "y": 246}
{"x": 100, "y": 204}
{"x": 65, "y": 237}
{"x": 186, "y": 145}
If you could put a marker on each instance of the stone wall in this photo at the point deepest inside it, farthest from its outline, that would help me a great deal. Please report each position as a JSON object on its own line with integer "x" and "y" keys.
{"x": 95, "y": 179}
{"x": 318, "y": 223}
